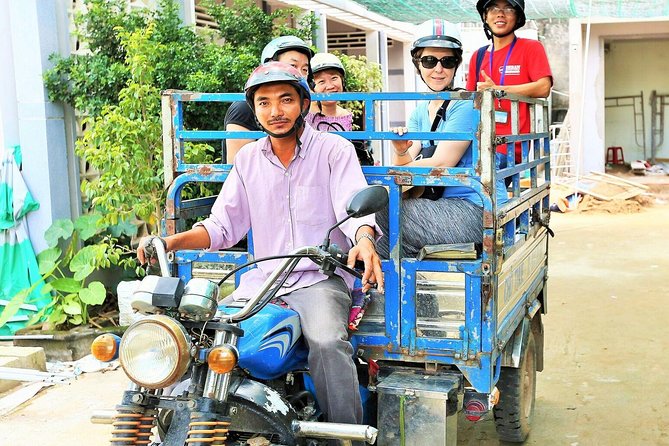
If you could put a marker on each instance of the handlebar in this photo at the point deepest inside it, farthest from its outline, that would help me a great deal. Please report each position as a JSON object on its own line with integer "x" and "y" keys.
{"x": 328, "y": 260}
{"x": 161, "y": 255}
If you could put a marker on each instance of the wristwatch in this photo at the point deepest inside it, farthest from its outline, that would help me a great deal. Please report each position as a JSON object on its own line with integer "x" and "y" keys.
{"x": 368, "y": 237}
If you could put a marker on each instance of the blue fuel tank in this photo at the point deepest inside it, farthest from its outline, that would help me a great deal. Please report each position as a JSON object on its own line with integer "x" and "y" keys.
{"x": 272, "y": 344}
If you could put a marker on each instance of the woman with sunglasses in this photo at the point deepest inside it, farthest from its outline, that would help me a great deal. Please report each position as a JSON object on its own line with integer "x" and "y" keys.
{"x": 452, "y": 214}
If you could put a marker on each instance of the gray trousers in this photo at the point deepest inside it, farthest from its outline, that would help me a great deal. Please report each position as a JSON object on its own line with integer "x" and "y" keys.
{"x": 324, "y": 309}
{"x": 433, "y": 222}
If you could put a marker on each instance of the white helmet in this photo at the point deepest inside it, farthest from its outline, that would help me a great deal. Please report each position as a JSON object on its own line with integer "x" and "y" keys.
{"x": 326, "y": 61}
{"x": 437, "y": 33}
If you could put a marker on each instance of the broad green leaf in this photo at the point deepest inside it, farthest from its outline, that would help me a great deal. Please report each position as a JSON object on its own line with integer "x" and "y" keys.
{"x": 87, "y": 225}
{"x": 57, "y": 317}
{"x": 123, "y": 227}
{"x": 13, "y": 306}
{"x": 95, "y": 294}
{"x": 47, "y": 259}
{"x": 84, "y": 272}
{"x": 66, "y": 285}
{"x": 85, "y": 257}
{"x": 59, "y": 229}
{"x": 76, "y": 320}
{"x": 71, "y": 304}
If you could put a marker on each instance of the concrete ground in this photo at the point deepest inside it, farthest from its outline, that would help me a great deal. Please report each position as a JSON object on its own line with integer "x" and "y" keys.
{"x": 605, "y": 377}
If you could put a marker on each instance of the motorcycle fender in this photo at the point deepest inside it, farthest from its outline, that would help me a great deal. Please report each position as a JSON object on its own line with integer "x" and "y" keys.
{"x": 255, "y": 407}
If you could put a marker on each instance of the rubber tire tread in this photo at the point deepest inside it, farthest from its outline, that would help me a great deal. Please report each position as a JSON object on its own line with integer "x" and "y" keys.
{"x": 510, "y": 425}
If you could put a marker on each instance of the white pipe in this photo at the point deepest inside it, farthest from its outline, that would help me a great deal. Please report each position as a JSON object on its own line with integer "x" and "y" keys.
{"x": 583, "y": 86}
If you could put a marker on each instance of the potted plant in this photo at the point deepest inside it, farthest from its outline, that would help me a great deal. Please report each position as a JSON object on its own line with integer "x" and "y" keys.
{"x": 64, "y": 325}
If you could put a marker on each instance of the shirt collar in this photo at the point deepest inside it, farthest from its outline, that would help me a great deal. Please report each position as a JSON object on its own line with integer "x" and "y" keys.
{"x": 305, "y": 140}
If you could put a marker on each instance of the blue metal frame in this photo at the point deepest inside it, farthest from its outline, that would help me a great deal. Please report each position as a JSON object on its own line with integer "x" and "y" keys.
{"x": 482, "y": 337}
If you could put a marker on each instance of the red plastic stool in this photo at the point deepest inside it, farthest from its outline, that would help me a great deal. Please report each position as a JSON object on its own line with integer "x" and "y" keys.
{"x": 614, "y": 155}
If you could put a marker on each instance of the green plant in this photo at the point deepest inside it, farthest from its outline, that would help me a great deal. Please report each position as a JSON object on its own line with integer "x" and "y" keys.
{"x": 65, "y": 269}
{"x": 124, "y": 143}
{"x": 248, "y": 28}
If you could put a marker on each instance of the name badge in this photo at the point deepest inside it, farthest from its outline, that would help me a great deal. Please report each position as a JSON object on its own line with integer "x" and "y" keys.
{"x": 501, "y": 117}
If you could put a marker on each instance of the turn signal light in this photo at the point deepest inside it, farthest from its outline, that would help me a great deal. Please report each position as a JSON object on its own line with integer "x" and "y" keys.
{"x": 222, "y": 359}
{"x": 105, "y": 347}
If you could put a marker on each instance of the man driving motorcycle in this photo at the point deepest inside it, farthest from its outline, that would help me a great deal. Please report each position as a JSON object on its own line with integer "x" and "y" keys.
{"x": 289, "y": 188}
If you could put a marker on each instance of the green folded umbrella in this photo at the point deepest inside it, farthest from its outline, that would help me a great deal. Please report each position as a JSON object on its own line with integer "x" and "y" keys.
{"x": 18, "y": 264}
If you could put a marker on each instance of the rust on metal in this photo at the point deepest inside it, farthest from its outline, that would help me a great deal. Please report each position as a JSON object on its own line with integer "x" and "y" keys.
{"x": 170, "y": 223}
{"x": 488, "y": 243}
{"x": 190, "y": 96}
{"x": 204, "y": 169}
{"x": 170, "y": 227}
{"x": 401, "y": 178}
{"x": 488, "y": 219}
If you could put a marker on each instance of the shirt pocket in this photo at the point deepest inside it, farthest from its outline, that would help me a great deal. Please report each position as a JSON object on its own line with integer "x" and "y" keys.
{"x": 312, "y": 205}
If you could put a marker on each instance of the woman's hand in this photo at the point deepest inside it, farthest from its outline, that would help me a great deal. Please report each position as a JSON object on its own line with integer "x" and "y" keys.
{"x": 401, "y": 146}
{"x": 365, "y": 251}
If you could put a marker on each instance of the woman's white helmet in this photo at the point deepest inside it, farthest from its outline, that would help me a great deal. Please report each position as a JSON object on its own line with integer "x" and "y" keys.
{"x": 437, "y": 33}
{"x": 326, "y": 61}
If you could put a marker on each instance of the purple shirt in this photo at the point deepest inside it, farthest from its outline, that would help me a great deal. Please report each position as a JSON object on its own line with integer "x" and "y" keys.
{"x": 288, "y": 208}
{"x": 330, "y": 123}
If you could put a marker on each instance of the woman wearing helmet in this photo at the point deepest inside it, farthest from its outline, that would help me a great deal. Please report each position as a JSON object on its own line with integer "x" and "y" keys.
{"x": 239, "y": 117}
{"x": 329, "y": 116}
{"x": 512, "y": 64}
{"x": 329, "y": 77}
{"x": 452, "y": 214}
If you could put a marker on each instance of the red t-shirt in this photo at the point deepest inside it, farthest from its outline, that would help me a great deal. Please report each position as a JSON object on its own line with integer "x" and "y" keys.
{"x": 527, "y": 63}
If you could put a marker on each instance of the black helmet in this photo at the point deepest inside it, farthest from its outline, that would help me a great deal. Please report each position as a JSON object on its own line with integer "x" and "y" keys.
{"x": 518, "y": 5}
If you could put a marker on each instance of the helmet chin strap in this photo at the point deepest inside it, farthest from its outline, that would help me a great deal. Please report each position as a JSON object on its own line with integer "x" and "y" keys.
{"x": 299, "y": 123}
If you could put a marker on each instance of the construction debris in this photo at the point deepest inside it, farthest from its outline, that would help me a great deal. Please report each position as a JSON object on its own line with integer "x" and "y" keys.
{"x": 567, "y": 193}
{"x": 639, "y": 167}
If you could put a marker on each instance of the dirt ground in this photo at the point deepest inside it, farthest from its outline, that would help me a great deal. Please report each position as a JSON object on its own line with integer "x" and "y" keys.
{"x": 605, "y": 377}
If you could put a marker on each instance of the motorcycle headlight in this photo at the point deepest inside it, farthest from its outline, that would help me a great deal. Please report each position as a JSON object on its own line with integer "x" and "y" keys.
{"x": 154, "y": 352}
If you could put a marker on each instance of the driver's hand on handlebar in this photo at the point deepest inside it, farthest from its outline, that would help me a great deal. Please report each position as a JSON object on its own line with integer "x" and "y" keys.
{"x": 365, "y": 251}
{"x": 146, "y": 252}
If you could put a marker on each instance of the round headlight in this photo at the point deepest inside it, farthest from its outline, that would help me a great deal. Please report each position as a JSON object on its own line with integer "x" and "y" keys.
{"x": 154, "y": 352}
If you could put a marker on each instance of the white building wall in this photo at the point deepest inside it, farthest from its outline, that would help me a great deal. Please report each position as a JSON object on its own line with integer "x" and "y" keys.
{"x": 587, "y": 86}
{"x": 29, "y": 34}
{"x": 634, "y": 67}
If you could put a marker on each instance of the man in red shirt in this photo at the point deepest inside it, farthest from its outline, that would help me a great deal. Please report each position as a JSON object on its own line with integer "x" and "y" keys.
{"x": 513, "y": 64}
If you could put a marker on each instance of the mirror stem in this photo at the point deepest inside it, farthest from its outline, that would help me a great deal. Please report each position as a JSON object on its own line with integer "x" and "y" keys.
{"x": 326, "y": 242}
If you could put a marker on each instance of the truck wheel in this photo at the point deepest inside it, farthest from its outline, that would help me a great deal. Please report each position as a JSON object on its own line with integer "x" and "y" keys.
{"x": 517, "y": 387}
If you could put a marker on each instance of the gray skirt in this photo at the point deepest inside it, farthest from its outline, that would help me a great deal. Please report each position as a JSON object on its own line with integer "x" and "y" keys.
{"x": 433, "y": 222}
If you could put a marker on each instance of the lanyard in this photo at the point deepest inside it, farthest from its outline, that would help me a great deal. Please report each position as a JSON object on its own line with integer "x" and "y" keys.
{"x": 506, "y": 61}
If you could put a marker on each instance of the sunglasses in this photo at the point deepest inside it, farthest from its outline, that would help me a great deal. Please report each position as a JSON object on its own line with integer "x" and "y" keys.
{"x": 446, "y": 61}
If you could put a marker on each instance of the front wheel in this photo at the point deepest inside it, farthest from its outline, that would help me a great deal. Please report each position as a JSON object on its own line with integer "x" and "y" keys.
{"x": 517, "y": 387}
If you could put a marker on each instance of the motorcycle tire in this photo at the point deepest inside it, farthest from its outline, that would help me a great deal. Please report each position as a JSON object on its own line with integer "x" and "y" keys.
{"x": 517, "y": 387}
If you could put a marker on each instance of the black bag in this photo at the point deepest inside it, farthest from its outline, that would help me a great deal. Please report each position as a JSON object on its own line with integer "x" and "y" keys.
{"x": 433, "y": 192}
{"x": 430, "y": 192}
{"x": 364, "y": 151}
